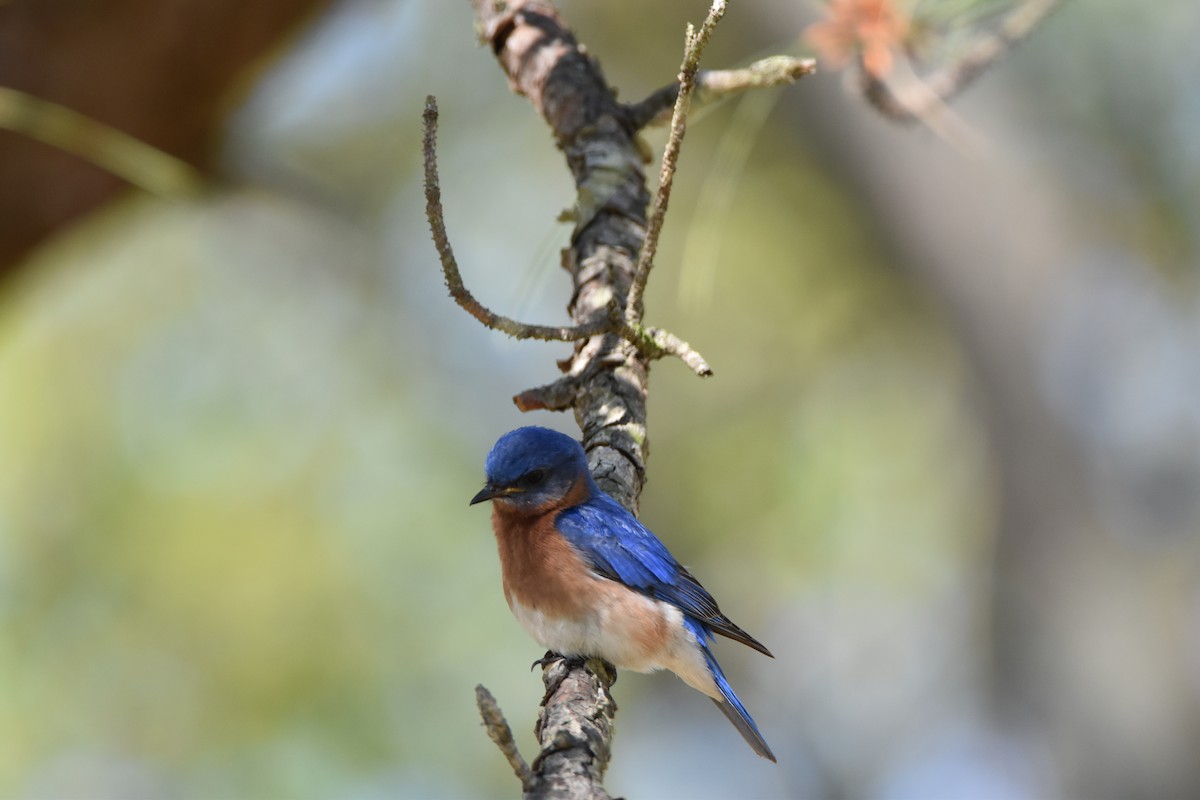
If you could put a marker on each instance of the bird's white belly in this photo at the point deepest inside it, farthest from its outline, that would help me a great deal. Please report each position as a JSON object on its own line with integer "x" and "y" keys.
{"x": 564, "y": 636}
{"x": 616, "y": 631}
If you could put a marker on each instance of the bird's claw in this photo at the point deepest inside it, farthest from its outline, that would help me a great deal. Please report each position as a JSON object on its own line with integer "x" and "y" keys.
{"x": 597, "y": 666}
{"x": 546, "y": 660}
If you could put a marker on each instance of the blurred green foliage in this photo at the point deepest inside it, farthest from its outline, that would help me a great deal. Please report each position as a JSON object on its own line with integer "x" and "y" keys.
{"x": 239, "y": 434}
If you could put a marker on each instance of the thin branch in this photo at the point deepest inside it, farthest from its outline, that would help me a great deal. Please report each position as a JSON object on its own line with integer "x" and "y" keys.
{"x": 713, "y": 85}
{"x": 501, "y": 734}
{"x": 652, "y": 344}
{"x": 907, "y": 90}
{"x": 557, "y": 395}
{"x": 941, "y": 86}
{"x": 454, "y": 282}
{"x": 717, "y": 84}
{"x": 670, "y": 344}
{"x": 695, "y": 42}
{"x": 560, "y": 395}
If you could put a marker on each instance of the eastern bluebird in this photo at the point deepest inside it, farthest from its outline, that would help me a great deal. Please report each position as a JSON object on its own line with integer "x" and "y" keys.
{"x": 585, "y": 578}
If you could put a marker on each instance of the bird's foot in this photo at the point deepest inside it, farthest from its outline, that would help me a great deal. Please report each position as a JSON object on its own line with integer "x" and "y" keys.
{"x": 558, "y": 667}
{"x": 546, "y": 660}
{"x": 599, "y": 667}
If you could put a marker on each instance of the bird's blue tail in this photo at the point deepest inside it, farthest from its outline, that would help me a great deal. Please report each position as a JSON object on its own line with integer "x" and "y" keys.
{"x": 731, "y": 706}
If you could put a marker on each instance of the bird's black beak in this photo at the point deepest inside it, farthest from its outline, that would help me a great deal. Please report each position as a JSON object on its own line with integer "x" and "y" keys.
{"x": 486, "y": 493}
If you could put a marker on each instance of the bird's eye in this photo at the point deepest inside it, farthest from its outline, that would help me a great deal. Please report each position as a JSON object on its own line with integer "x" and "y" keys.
{"x": 533, "y": 477}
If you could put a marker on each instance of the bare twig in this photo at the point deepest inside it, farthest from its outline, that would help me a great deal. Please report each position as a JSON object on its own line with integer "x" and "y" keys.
{"x": 917, "y": 103}
{"x": 713, "y": 85}
{"x": 652, "y": 343}
{"x": 560, "y": 395}
{"x": 695, "y": 42}
{"x": 670, "y": 344}
{"x": 501, "y": 734}
{"x": 716, "y": 84}
{"x": 454, "y": 282}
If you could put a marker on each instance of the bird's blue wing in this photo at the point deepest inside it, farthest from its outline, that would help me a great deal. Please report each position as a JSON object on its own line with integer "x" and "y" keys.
{"x": 619, "y": 547}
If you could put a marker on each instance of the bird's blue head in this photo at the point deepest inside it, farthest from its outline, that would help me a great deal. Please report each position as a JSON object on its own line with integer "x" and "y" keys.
{"x": 532, "y": 468}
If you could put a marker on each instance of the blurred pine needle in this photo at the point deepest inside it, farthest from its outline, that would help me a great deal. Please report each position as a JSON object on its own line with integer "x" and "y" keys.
{"x": 702, "y": 246}
{"x": 108, "y": 148}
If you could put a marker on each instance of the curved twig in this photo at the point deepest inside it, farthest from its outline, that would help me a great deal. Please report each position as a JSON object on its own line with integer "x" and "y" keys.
{"x": 454, "y": 282}
{"x": 656, "y": 345}
{"x": 501, "y": 734}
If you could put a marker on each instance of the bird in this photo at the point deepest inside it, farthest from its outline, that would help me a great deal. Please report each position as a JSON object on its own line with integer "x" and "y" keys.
{"x": 586, "y": 579}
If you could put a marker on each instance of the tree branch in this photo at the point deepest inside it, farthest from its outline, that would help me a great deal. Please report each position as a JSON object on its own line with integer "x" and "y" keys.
{"x": 713, "y": 85}
{"x": 501, "y": 734}
{"x": 917, "y": 100}
{"x": 779, "y": 70}
{"x": 575, "y": 728}
{"x": 605, "y": 380}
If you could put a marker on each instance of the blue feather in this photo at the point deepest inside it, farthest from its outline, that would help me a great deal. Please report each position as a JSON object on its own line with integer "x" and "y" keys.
{"x": 731, "y": 707}
{"x": 619, "y": 547}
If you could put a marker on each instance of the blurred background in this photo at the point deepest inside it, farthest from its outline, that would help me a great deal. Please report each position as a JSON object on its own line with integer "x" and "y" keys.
{"x": 948, "y": 468}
